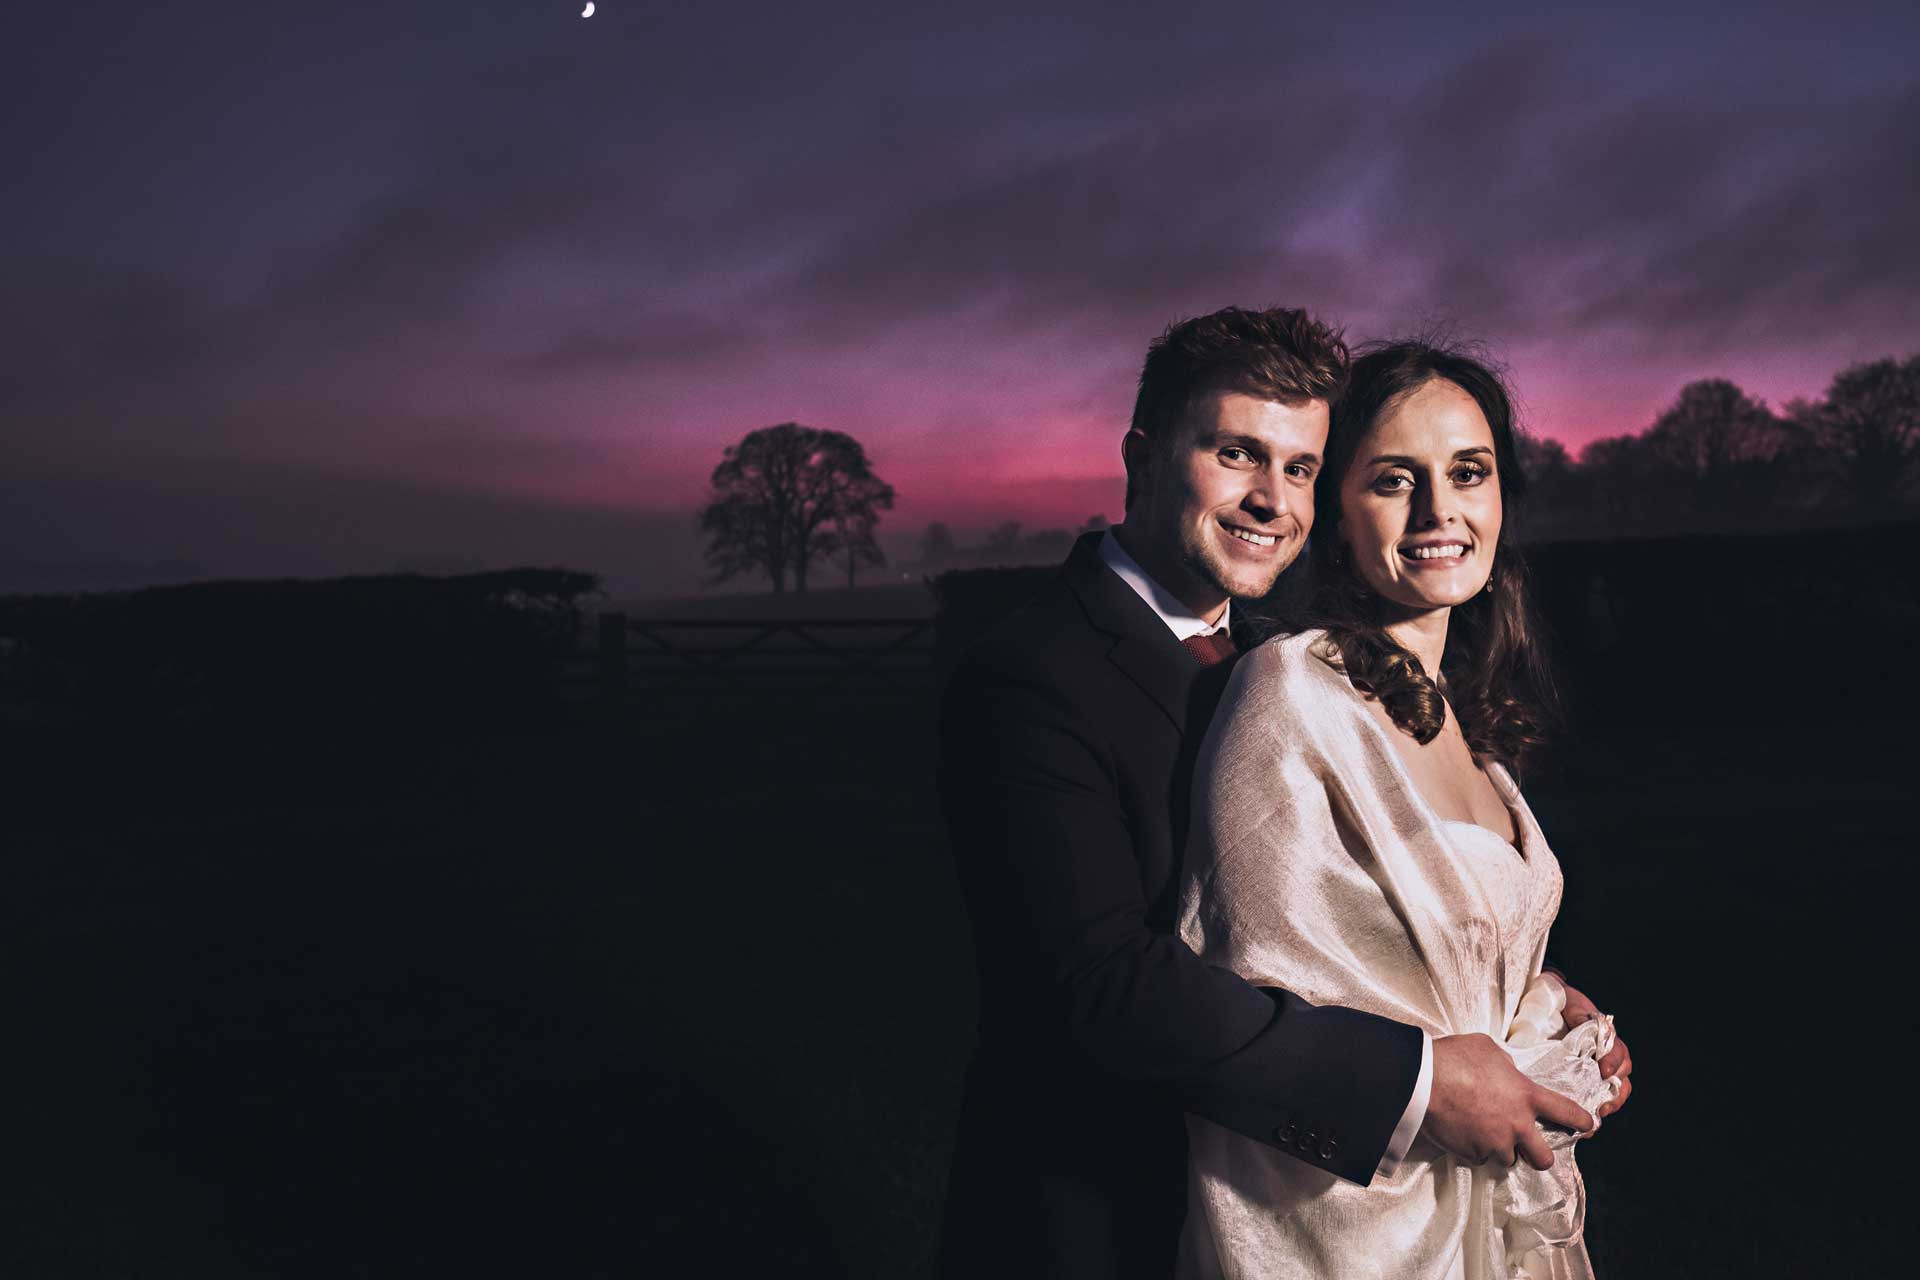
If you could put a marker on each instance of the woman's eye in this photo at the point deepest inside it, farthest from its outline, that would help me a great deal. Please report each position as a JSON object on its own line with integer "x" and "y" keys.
{"x": 1392, "y": 482}
{"x": 1469, "y": 475}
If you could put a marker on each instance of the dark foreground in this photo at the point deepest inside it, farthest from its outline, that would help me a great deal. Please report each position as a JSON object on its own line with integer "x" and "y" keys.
{"x": 694, "y": 986}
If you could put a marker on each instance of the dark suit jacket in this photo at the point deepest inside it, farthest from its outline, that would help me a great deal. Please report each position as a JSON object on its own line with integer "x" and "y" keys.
{"x": 1068, "y": 737}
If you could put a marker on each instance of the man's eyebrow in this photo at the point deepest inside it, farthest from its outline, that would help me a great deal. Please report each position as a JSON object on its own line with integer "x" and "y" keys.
{"x": 1254, "y": 444}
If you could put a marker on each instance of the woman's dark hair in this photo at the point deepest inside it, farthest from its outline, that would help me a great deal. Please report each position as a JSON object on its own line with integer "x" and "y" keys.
{"x": 1495, "y": 668}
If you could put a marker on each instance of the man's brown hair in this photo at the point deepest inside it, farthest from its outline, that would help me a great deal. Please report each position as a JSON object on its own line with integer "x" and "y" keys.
{"x": 1281, "y": 354}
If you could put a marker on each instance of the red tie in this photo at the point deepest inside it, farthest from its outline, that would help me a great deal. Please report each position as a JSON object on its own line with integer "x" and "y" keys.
{"x": 1211, "y": 649}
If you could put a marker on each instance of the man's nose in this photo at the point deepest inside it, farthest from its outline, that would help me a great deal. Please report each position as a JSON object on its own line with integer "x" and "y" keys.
{"x": 1267, "y": 498}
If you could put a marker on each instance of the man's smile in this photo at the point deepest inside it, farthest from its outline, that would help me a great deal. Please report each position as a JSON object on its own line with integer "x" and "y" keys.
{"x": 1252, "y": 537}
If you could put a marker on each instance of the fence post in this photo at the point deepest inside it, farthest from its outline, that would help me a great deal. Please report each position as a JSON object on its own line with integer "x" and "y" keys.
{"x": 613, "y": 659}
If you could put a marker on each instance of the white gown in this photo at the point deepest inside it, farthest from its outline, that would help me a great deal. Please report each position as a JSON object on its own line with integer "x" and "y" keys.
{"x": 1316, "y": 866}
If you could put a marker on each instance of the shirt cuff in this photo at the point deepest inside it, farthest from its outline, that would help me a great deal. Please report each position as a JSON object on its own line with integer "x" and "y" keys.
{"x": 1415, "y": 1115}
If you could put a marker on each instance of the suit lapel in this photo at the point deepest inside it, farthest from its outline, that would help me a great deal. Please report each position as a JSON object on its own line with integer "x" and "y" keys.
{"x": 1143, "y": 648}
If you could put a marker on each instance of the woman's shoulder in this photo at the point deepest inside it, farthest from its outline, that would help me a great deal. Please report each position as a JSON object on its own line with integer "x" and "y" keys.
{"x": 1288, "y": 679}
{"x": 1302, "y": 659}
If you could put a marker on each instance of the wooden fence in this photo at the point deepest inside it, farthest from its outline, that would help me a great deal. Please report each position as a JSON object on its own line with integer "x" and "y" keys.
{"x": 717, "y": 656}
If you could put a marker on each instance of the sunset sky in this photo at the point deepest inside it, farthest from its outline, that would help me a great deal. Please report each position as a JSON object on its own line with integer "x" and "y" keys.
{"x": 344, "y": 287}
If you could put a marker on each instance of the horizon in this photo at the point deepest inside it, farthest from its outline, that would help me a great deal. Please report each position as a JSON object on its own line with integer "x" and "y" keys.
{"x": 350, "y": 290}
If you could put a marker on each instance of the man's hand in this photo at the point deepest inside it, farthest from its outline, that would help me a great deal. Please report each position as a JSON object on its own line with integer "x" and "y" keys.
{"x": 1483, "y": 1108}
{"x": 1618, "y": 1061}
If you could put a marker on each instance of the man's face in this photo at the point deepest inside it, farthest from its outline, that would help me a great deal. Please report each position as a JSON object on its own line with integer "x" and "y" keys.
{"x": 1223, "y": 508}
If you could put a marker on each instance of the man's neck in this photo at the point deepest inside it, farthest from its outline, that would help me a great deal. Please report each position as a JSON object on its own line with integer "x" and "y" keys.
{"x": 1206, "y": 603}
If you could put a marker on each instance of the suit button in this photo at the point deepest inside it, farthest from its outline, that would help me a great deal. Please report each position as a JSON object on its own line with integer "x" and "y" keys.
{"x": 1286, "y": 1133}
{"x": 1328, "y": 1148}
{"x": 1307, "y": 1140}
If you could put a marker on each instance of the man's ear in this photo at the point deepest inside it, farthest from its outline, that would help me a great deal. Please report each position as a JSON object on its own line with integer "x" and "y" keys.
{"x": 1136, "y": 455}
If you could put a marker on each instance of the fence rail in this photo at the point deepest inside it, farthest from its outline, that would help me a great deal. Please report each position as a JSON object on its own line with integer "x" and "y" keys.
{"x": 654, "y": 656}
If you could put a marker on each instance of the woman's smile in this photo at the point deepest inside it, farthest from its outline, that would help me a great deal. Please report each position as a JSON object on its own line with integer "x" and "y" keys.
{"x": 1436, "y": 554}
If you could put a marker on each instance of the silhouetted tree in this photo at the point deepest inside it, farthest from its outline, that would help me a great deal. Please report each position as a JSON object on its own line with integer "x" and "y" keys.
{"x": 785, "y": 496}
{"x": 1541, "y": 457}
{"x": 936, "y": 544}
{"x": 1866, "y": 431}
{"x": 1618, "y": 479}
{"x": 744, "y": 536}
{"x": 1049, "y": 544}
{"x": 857, "y": 510}
{"x": 1004, "y": 541}
{"x": 1722, "y": 440}
{"x": 1553, "y": 484}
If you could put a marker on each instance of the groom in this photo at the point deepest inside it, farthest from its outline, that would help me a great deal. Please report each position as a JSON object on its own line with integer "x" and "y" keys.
{"x": 1068, "y": 738}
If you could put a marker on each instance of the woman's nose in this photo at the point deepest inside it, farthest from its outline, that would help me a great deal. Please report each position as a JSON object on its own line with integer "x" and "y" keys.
{"x": 1434, "y": 507}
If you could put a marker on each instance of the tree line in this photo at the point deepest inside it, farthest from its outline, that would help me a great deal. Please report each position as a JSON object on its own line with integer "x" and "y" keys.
{"x": 1718, "y": 458}
{"x": 789, "y": 497}
{"x": 1007, "y": 543}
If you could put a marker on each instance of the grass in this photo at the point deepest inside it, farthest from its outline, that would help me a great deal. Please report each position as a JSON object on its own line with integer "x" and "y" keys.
{"x": 569, "y": 1002}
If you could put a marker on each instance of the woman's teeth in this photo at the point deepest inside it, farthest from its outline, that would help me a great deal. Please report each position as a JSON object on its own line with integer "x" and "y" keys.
{"x": 1451, "y": 551}
{"x": 1257, "y": 539}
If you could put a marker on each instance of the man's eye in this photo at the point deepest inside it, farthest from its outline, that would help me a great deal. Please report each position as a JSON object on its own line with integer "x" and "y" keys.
{"x": 1300, "y": 471}
{"x": 1234, "y": 453}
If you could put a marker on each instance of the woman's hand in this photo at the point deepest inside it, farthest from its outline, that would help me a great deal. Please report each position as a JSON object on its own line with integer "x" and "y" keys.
{"x": 1618, "y": 1061}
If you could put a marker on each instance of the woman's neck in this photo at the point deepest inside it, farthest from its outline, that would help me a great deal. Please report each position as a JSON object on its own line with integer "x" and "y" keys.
{"x": 1424, "y": 635}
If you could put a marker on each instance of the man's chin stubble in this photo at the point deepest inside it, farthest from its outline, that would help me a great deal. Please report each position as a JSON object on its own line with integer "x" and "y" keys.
{"x": 1204, "y": 570}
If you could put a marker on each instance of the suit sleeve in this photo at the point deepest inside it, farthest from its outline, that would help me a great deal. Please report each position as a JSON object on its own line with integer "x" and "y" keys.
{"x": 1045, "y": 855}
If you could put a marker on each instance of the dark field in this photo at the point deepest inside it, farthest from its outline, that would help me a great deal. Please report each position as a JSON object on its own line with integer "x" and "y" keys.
{"x": 686, "y": 991}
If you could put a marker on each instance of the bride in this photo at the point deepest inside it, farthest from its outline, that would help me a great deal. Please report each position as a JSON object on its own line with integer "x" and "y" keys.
{"x": 1359, "y": 841}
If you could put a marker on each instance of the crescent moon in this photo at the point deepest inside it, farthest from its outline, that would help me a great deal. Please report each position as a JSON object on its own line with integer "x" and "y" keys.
{"x": 588, "y": 11}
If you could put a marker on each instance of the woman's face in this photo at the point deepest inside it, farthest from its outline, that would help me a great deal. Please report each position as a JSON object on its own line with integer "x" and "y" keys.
{"x": 1420, "y": 503}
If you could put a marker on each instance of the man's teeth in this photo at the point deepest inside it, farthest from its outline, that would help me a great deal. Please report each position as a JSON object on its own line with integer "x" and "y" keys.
{"x": 1451, "y": 551}
{"x": 1257, "y": 539}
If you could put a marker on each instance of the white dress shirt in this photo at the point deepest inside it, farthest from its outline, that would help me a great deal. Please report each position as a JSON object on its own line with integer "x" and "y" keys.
{"x": 1183, "y": 622}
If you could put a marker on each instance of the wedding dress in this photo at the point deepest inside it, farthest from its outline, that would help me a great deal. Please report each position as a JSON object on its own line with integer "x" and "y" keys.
{"x": 1317, "y": 866}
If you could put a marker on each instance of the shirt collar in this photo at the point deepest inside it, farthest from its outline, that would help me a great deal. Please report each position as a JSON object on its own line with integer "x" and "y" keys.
{"x": 1179, "y": 619}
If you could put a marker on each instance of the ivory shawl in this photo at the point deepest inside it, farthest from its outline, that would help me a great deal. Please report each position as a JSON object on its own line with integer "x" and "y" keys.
{"x": 1316, "y": 866}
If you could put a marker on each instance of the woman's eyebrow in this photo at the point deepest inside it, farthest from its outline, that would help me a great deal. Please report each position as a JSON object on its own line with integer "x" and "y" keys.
{"x": 1402, "y": 460}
